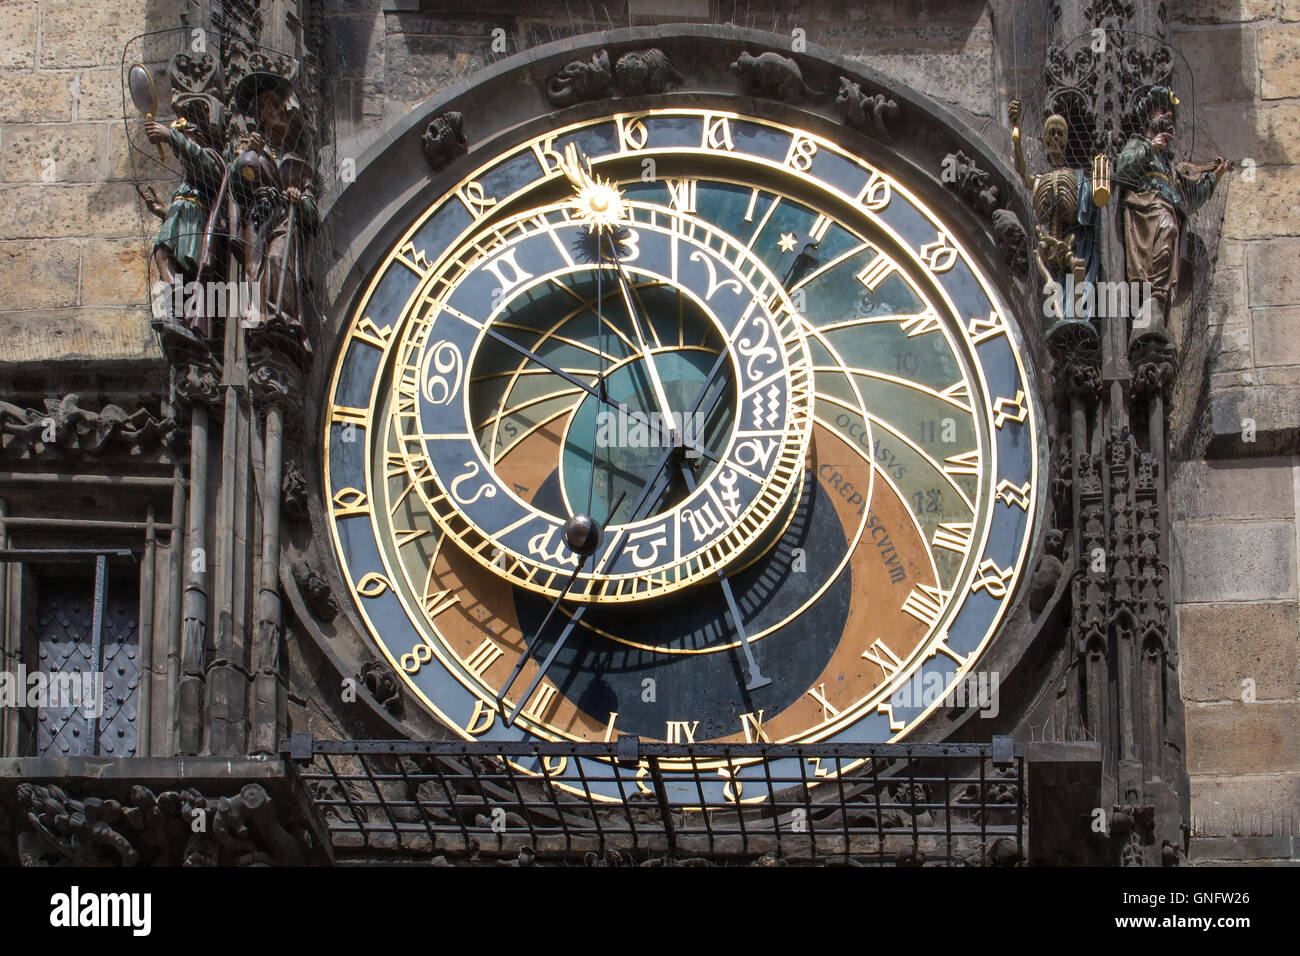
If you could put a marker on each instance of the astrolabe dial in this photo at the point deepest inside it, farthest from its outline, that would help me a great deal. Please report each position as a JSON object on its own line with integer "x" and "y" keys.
{"x": 781, "y": 400}
{"x": 529, "y": 353}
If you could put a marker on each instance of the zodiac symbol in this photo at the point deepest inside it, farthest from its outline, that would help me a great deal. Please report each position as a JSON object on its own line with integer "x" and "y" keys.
{"x": 487, "y": 490}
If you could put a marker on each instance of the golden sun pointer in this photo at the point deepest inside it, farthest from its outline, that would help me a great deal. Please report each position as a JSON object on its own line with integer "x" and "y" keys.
{"x": 598, "y": 204}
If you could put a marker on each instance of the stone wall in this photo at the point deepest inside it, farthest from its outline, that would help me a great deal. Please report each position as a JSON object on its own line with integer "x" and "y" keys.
{"x": 73, "y": 247}
{"x": 1235, "y": 528}
{"x": 72, "y": 257}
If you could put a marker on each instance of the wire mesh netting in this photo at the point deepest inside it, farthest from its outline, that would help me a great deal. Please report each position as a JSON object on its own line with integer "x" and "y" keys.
{"x": 884, "y": 804}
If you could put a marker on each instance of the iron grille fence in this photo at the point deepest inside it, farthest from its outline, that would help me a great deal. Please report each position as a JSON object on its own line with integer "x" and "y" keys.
{"x": 893, "y": 804}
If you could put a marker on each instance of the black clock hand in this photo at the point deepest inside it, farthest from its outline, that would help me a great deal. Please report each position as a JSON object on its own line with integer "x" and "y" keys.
{"x": 597, "y": 393}
{"x": 756, "y": 678}
{"x": 650, "y": 492}
{"x": 665, "y": 410}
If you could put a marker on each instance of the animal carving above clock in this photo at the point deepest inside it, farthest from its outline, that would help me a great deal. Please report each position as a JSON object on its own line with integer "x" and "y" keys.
{"x": 683, "y": 424}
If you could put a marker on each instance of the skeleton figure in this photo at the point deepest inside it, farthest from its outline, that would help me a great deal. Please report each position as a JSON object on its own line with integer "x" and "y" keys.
{"x": 1064, "y": 210}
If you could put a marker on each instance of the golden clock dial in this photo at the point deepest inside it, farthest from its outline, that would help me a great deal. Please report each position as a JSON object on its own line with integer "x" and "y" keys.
{"x": 860, "y": 484}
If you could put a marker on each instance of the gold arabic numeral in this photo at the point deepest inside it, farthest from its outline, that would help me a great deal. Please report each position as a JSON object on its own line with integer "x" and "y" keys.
{"x": 925, "y": 604}
{"x": 554, "y": 766}
{"x": 542, "y": 701}
{"x": 484, "y": 656}
{"x": 547, "y": 157}
{"x": 954, "y": 536}
{"x": 370, "y": 333}
{"x": 682, "y": 193}
{"x": 681, "y": 731}
{"x": 888, "y": 711}
{"x": 372, "y": 585}
{"x": 1013, "y": 494}
{"x": 818, "y": 694}
{"x": 632, "y": 133}
{"x": 1010, "y": 409}
{"x": 413, "y": 259}
{"x": 876, "y": 194}
{"x": 349, "y": 502}
{"x": 940, "y": 255}
{"x": 817, "y": 768}
{"x": 481, "y": 719}
{"x": 801, "y": 153}
{"x": 992, "y": 579}
{"x": 941, "y": 647}
{"x": 980, "y": 330}
{"x": 347, "y": 415}
{"x": 420, "y": 655}
{"x": 752, "y": 725}
{"x": 475, "y": 199}
{"x": 717, "y": 133}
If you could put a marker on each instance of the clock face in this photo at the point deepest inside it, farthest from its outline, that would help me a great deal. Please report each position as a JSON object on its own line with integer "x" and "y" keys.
{"x": 767, "y": 372}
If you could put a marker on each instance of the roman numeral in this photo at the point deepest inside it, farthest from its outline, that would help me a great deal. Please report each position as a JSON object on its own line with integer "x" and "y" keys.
{"x": 679, "y": 729}
{"x": 484, "y": 657}
{"x": 819, "y": 229}
{"x": 435, "y": 602}
{"x": 876, "y": 272}
{"x": 920, "y": 324}
{"x": 883, "y": 657}
{"x": 753, "y": 727}
{"x": 818, "y": 694}
{"x": 925, "y": 603}
{"x": 967, "y": 463}
{"x": 954, "y": 536}
{"x": 681, "y": 193}
{"x": 540, "y": 705}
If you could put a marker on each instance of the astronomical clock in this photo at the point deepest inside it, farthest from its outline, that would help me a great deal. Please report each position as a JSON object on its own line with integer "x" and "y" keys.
{"x": 683, "y": 423}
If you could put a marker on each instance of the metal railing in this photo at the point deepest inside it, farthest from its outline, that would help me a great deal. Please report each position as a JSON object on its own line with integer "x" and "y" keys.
{"x": 893, "y": 804}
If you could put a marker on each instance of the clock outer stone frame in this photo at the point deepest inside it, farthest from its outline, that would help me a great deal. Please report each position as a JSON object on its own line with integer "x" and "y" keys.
{"x": 507, "y": 103}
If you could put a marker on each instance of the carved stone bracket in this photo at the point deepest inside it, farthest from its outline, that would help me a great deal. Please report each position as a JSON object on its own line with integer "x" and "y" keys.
{"x": 162, "y": 829}
{"x": 381, "y": 682}
{"x": 444, "y": 139}
{"x": 774, "y": 77}
{"x": 196, "y": 384}
{"x": 867, "y": 113}
{"x": 275, "y": 379}
{"x": 316, "y": 592}
{"x": 636, "y": 73}
{"x": 293, "y": 492}
{"x": 63, "y": 426}
{"x": 975, "y": 185}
